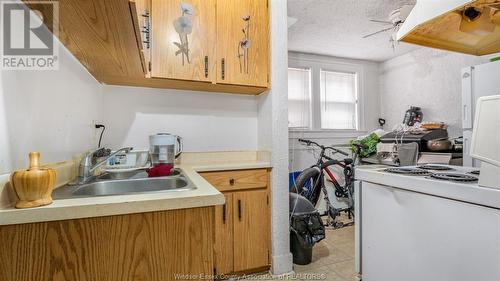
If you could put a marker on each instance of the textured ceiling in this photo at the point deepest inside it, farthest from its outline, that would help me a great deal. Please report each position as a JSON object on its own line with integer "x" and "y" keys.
{"x": 336, "y": 28}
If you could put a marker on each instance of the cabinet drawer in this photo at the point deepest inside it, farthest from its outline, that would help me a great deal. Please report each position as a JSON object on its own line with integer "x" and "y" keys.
{"x": 236, "y": 180}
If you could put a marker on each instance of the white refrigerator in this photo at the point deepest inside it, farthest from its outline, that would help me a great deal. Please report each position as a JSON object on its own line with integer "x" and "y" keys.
{"x": 477, "y": 81}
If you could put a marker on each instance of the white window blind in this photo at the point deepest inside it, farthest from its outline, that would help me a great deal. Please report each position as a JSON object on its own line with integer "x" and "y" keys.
{"x": 338, "y": 99}
{"x": 299, "y": 97}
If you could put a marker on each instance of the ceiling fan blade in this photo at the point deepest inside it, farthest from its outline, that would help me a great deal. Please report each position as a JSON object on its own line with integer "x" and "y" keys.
{"x": 381, "y": 21}
{"x": 380, "y": 31}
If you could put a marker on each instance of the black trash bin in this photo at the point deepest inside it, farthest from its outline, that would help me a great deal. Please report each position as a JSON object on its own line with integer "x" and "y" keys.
{"x": 306, "y": 228}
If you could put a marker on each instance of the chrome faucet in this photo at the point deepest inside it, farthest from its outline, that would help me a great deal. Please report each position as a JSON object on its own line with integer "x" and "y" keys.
{"x": 86, "y": 169}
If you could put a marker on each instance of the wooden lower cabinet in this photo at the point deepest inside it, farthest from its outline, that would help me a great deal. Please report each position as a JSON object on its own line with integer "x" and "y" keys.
{"x": 223, "y": 246}
{"x": 166, "y": 245}
{"x": 242, "y": 225}
{"x": 251, "y": 229}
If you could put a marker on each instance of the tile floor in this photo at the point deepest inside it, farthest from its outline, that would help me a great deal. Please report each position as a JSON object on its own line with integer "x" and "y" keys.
{"x": 333, "y": 260}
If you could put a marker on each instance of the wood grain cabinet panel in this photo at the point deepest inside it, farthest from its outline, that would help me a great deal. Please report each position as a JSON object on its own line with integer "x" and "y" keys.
{"x": 223, "y": 246}
{"x": 100, "y": 34}
{"x": 201, "y": 45}
{"x": 242, "y": 225}
{"x": 236, "y": 180}
{"x": 243, "y": 42}
{"x": 148, "y": 246}
{"x": 251, "y": 229}
{"x": 141, "y": 18}
{"x": 183, "y": 39}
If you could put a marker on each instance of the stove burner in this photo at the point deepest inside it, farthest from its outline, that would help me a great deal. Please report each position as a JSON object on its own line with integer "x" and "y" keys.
{"x": 477, "y": 172}
{"x": 454, "y": 177}
{"x": 436, "y": 167}
{"x": 408, "y": 171}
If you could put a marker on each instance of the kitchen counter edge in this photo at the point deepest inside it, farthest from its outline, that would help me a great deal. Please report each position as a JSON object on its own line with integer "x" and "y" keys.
{"x": 77, "y": 208}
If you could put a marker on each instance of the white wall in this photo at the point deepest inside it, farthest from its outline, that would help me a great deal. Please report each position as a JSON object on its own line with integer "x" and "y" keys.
{"x": 205, "y": 121}
{"x": 302, "y": 157}
{"x": 53, "y": 111}
{"x": 427, "y": 78}
{"x": 47, "y": 111}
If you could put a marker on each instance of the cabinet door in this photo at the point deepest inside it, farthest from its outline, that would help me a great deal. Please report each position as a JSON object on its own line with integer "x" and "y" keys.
{"x": 183, "y": 39}
{"x": 223, "y": 246}
{"x": 139, "y": 10}
{"x": 251, "y": 229}
{"x": 243, "y": 42}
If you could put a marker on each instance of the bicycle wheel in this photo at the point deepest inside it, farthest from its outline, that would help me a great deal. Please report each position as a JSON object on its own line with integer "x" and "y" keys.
{"x": 309, "y": 184}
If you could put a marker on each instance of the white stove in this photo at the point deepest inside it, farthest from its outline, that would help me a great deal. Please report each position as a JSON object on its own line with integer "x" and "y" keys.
{"x": 428, "y": 222}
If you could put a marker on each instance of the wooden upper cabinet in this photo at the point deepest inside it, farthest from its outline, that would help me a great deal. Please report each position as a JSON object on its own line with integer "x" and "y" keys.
{"x": 243, "y": 42}
{"x": 140, "y": 12}
{"x": 100, "y": 34}
{"x": 179, "y": 44}
{"x": 183, "y": 39}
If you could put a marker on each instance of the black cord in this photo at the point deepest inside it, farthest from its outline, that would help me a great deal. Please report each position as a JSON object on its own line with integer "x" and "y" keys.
{"x": 99, "y": 126}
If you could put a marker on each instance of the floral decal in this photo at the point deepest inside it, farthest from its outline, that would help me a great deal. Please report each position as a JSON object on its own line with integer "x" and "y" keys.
{"x": 243, "y": 45}
{"x": 183, "y": 26}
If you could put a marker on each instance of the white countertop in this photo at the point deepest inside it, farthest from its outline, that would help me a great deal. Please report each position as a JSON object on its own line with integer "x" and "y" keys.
{"x": 204, "y": 195}
{"x": 465, "y": 192}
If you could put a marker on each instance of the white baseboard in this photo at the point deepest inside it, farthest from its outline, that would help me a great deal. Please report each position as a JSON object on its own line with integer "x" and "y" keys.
{"x": 282, "y": 265}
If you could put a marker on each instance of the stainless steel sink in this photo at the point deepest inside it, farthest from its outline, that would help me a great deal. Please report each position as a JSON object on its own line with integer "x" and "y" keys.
{"x": 137, "y": 182}
{"x": 137, "y": 174}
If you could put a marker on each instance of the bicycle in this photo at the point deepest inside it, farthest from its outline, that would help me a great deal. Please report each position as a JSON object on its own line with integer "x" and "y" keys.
{"x": 310, "y": 183}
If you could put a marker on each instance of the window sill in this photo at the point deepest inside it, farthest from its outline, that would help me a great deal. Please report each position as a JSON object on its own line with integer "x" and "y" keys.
{"x": 325, "y": 134}
{"x": 326, "y": 131}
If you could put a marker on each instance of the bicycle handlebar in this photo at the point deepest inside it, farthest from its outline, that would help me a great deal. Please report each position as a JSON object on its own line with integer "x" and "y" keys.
{"x": 309, "y": 142}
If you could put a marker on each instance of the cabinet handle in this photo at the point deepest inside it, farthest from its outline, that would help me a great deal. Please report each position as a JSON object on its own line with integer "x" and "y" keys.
{"x": 223, "y": 68}
{"x": 231, "y": 181}
{"x": 239, "y": 209}
{"x": 224, "y": 214}
{"x": 206, "y": 66}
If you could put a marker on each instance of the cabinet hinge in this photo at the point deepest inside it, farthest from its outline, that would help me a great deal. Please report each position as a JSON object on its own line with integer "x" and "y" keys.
{"x": 267, "y": 197}
{"x": 149, "y": 66}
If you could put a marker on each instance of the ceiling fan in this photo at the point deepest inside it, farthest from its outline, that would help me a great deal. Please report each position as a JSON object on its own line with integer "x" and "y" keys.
{"x": 396, "y": 18}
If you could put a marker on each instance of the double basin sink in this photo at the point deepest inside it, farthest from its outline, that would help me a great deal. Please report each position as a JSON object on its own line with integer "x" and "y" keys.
{"x": 125, "y": 183}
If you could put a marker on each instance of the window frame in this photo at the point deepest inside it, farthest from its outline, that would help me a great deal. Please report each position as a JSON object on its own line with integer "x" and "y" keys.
{"x": 316, "y": 65}
{"x": 356, "y": 97}
{"x": 310, "y": 97}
